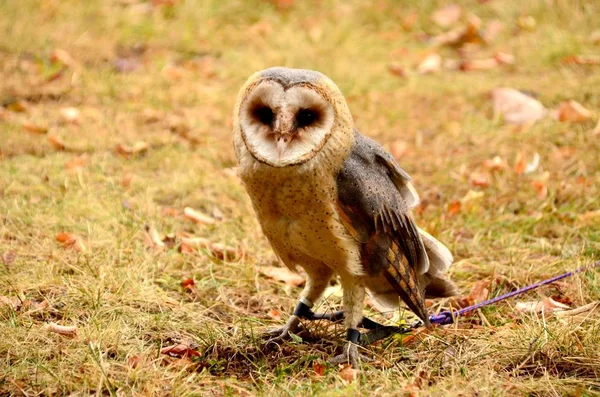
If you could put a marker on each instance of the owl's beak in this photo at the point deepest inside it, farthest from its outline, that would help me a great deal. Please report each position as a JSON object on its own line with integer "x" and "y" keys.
{"x": 282, "y": 142}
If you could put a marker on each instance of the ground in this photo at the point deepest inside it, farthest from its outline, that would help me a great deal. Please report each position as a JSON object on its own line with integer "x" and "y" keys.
{"x": 116, "y": 115}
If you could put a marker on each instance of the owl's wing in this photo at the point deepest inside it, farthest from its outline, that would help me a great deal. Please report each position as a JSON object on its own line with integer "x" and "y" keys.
{"x": 375, "y": 196}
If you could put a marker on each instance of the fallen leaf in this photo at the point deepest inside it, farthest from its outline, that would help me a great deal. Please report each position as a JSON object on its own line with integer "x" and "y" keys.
{"x": 66, "y": 330}
{"x": 319, "y": 368}
{"x": 596, "y": 130}
{"x": 480, "y": 292}
{"x": 516, "y": 107}
{"x": 348, "y": 373}
{"x": 126, "y": 179}
{"x": 220, "y": 251}
{"x": 573, "y": 111}
{"x": 70, "y": 240}
{"x": 409, "y": 21}
{"x": 541, "y": 188}
{"x": 138, "y": 147}
{"x": 580, "y": 314}
{"x": 492, "y": 30}
{"x": 398, "y": 149}
{"x": 198, "y": 217}
{"x": 397, "y": 70}
{"x": 431, "y": 64}
{"x": 77, "y": 162}
{"x": 460, "y": 36}
{"x": 478, "y": 64}
{"x": 527, "y": 22}
{"x": 14, "y": 303}
{"x": 588, "y": 218}
{"x": 153, "y": 240}
{"x": 504, "y": 58}
{"x": 479, "y": 179}
{"x": 447, "y": 15}
{"x": 69, "y": 115}
{"x": 454, "y": 207}
{"x": 274, "y": 314}
{"x": 8, "y": 258}
{"x": 180, "y": 350}
{"x": 495, "y": 164}
{"x": 282, "y": 274}
{"x": 580, "y": 60}
{"x": 134, "y": 361}
{"x": 56, "y": 142}
{"x": 35, "y": 128}
{"x": 283, "y": 5}
{"x": 61, "y": 56}
{"x": 546, "y": 305}
{"x": 188, "y": 283}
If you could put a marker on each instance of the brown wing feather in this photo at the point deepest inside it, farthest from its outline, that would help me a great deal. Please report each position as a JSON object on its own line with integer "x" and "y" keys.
{"x": 375, "y": 213}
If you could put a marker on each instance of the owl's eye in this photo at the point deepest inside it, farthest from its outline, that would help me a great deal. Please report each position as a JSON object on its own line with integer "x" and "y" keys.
{"x": 264, "y": 114}
{"x": 306, "y": 117}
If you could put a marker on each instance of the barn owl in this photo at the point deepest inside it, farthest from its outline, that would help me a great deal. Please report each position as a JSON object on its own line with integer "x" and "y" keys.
{"x": 332, "y": 201}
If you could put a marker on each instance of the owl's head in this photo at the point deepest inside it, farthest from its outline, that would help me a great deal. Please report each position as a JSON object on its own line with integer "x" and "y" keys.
{"x": 286, "y": 116}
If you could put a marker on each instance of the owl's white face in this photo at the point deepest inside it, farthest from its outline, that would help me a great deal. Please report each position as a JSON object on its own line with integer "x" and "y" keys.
{"x": 283, "y": 127}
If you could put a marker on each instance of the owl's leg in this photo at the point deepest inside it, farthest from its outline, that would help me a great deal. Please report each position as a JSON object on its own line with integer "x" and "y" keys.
{"x": 316, "y": 282}
{"x": 354, "y": 295}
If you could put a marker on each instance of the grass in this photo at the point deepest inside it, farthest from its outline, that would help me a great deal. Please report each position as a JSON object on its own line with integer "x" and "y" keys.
{"x": 189, "y": 60}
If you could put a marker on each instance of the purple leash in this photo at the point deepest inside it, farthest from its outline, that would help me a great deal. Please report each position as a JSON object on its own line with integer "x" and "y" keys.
{"x": 448, "y": 317}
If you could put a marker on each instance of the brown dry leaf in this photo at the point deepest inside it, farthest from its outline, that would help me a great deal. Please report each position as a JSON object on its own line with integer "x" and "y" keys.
{"x": 573, "y": 111}
{"x": 520, "y": 164}
{"x": 138, "y": 147}
{"x": 492, "y": 30}
{"x": 479, "y": 179}
{"x": 14, "y": 303}
{"x": 319, "y": 368}
{"x": 546, "y": 305}
{"x": 56, "y": 142}
{"x": 580, "y": 60}
{"x": 447, "y": 15}
{"x": 188, "y": 283}
{"x": 588, "y": 218}
{"x": 580, "y": 314}
{"x": 409, "y": 21}
{"x": 397, "y": 70}
{"x": 169, "y": 211}
{"x": 398, "y": 149}
{"x": 431, "y": 64}
{"x": 596, "y": 130}
{"x": 70, "y": 240}
{"x": 180, "y": 350}
{"x": 126, "y": 179}
{"x": 348, "y": 373}
{"x": 224, "y": 252}
{"x": 480, "y": 292}
{"x": 153, "y": 240}
{"x": 220, "y": 251}
{"x": 504, "y": 58}
{"x": 198, "y": 217}
{"x": 282, "y": 274}
{"x": 134, "y": 361}
{"x": 495, "y": 164}
{"x": 69, "y": 115}
{"x": 62, "y": 56}
{"x": 478, "y": 64}
{"x": 76, "y": 162}
{"x": 8, "y": 257}
{"x": 35, "y": 128}
{"x": 540, "y": 188}
{"x": 516, "y": 107}
{"x": 460, "y": 36}
{"x": 454, "y": 207}
{"x": 66, "y": 330}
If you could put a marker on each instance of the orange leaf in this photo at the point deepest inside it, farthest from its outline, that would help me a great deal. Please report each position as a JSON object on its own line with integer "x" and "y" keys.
{"x": 397, "y": 70}
{"x": 573, "y": 111}
{"x": 495, "y": 164}
{"x": 282, "y": 274}
{"x": 479, "y": 179}
{"x": 56, "y": 142}
{"x": 541, "y": 188}
{"x": 138, "y": 147}
{"x": 454, "y": 207}
{"x": 69, "y": 240}
{"x": 134, "y": 361}
{"x": 76, "y": 162}
{"x": 319, "y": 368}
{"x": 188, "y": 283}
{"x": 31, "y": 127}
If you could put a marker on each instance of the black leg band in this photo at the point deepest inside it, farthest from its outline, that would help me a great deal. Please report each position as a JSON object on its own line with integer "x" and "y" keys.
{"x": 353, "y": 335}
{"x": 303, "y": 311}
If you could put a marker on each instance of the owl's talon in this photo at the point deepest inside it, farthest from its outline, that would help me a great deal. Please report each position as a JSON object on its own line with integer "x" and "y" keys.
{"x": 349, "y": 356}
{"x": 281, "y": 334}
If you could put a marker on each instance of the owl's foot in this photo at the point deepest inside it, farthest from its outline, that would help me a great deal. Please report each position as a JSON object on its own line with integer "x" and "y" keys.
{"x": 350, "y": 353}
{"x": 281, "y": 334}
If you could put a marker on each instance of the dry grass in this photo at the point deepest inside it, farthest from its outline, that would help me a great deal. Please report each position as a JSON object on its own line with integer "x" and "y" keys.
{"x": 127, "y": 300}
